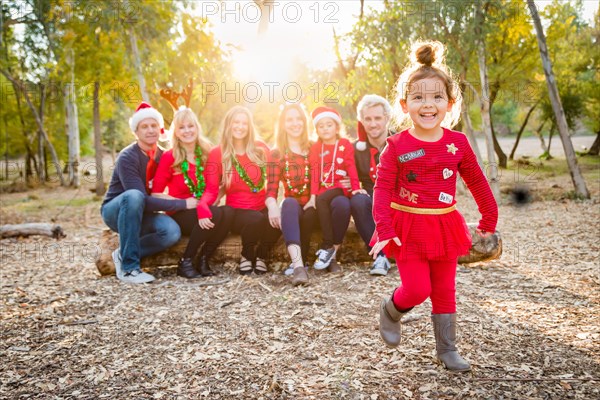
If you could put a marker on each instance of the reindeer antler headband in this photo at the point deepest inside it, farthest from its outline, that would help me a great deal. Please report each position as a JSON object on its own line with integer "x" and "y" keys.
{"x": 172, "y": 96}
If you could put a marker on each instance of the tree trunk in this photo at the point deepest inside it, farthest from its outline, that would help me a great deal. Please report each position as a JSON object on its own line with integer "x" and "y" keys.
{"x": 563, "y": 129}
{"x": 512, "y": 153}
{"x": 138, "y": 65}
{"x": 30, "y": 229}
{"x": 540, "y": 135}
{"x": 72, "y": 124}
{"x": 266, "y": 10}
{"x": 39, "y": 124}
{"x": 485, "y": 105}
{"x": 547, "y": 154}
{"x": 596, "y": 146}
{"x": 468, "y": 125}
{"x": 41, "y": 156}
{"x": 98, "y": 141}
{"x": 502, "y": 159}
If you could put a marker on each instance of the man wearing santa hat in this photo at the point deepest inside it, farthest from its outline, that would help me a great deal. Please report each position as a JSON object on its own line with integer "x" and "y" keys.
{"x": 373, "y": 129}
{"x": 129, "y": 209}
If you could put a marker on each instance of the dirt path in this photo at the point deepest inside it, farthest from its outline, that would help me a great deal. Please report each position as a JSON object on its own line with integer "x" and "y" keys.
{"x": 528, "y": 322}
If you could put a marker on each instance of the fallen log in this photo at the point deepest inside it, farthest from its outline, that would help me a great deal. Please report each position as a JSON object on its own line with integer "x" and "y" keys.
{"x": 30, "y": 229}
{"x": 353, "y": 250}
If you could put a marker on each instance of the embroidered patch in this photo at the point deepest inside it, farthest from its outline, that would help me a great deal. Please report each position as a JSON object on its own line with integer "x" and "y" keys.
{"x": 341, "y": 172}
{"x": 406, "y": 194}
{"x": 412, "y": 177}
{"x": 341, "y": 148}
{"x": 324, "y": 153}
{"x": 339, "y": 160}
{"x": 447, "y": 173}
{"x": 411, "y": 156}
{"x": 452, "y": 148}
{"x": 446, "y": 198}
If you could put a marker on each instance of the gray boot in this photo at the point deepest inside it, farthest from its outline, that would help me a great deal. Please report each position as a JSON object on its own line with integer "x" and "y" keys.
{"x": 389, "y": 322}
{"x": 444, "y": 327}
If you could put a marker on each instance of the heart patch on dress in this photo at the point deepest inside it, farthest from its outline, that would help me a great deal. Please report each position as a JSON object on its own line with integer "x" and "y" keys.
{"x": 447, "y": 173}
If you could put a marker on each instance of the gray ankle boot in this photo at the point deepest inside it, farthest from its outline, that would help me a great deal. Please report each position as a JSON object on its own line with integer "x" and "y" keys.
{"x": 389, "y": 322}
{"x": 444, "y": 328}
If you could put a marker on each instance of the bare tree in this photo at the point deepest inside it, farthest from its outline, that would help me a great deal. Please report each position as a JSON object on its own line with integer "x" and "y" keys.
{"x": 561, "y": 121}
{"x": 485, "y": 104}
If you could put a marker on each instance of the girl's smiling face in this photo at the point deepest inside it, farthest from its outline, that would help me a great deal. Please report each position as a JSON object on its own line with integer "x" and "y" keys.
{"x": 427, "y": 104}
{"x": 293, "y": 123}
{"x": 327, "y": 130}
{"x": 239, "y": 126}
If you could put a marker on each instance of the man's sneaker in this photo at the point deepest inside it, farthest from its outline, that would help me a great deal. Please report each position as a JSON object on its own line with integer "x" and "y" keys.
{"x": 118, "y": 265}
{"x": 324, "y": 258}
{"x": 381, "y": 266}
{"x": 289, "y": 271}
{"x": 136, "y": 276}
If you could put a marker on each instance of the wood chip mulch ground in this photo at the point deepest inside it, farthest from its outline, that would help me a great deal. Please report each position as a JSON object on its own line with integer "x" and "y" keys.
{"x": 529, "y": 322}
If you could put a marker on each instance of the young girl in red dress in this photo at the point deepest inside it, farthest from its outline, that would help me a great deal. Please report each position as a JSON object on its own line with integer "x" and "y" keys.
{"x": 292, "y": 168}
{"x": 241, "y": 162}
{"x": 182, "y": 171}
{"x": 331, "y": 159}
{"x": 414, "y": 207}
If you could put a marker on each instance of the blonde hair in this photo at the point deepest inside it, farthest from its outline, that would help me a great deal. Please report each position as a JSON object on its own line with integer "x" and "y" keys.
{"x": 427, "y": 60}
{"x": 179, "y": 153}
{"x": 282, "y": 139}
{"x": 254, "y": 153}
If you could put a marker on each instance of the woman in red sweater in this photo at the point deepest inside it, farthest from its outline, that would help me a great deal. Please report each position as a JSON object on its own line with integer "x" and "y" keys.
{"x": 331, "y": 160}
{"x": 183, "y": 171}
{"x": 292, "y": 168}
{"x": 241, "y": 162}
{"x": 414, "y": 206}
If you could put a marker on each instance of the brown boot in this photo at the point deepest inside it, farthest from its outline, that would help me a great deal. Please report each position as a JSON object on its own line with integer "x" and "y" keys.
{"x": 334, "y": 267}
{"x": 300, "y": 276}
{"x": 389, "y": 322}
{"x": 444, "y": 328}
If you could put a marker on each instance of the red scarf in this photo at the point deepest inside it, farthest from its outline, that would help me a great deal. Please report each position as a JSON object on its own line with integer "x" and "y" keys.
{"x": 150, "y": 169}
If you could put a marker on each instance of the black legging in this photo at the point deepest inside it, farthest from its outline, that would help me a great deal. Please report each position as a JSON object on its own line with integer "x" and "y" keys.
{"x": 212, "y": 238}
{"x": 254, "y": 228}
{"x": 334, "y": 216}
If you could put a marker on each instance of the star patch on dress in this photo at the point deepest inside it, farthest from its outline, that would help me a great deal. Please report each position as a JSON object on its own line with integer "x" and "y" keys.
{"x": 341, "y": 148}
{"x": 452, "y": 148}
{"x": 412, "y": 177}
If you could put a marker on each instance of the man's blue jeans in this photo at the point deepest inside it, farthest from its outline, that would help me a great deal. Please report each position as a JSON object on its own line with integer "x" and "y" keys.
{"x": 140, "y": 234}
{"x": 361, "y": 206}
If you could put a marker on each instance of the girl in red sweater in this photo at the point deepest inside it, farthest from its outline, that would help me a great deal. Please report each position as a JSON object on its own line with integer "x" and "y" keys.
{"x": 241, "y": 163}
{"x": 331, "y": 160}
{"x": 292, "y": 168}
{"x": 184, "y": 173}
{"x": 414, "y": 206}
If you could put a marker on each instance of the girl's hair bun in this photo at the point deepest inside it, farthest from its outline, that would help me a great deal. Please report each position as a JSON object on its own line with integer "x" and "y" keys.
{"x": 425, "y": 55}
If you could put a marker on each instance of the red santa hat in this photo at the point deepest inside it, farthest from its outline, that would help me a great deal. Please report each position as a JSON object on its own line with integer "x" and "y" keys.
{"x": 361, "y": 144}
{"x": 326, "y": 112}
{"x": 144, "y": 111}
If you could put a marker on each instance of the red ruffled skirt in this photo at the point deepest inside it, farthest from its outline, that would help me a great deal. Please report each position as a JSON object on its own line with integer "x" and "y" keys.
{"x": 429, "y": 237}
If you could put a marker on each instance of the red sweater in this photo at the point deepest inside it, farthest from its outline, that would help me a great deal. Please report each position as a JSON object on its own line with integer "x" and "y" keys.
{"x": 333, "y": 170}
{"x": 295, "y": 173}
{"x": 239, "y": 194}
{"x": 167, "y": 178}
{"x": 422, "y": 174}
